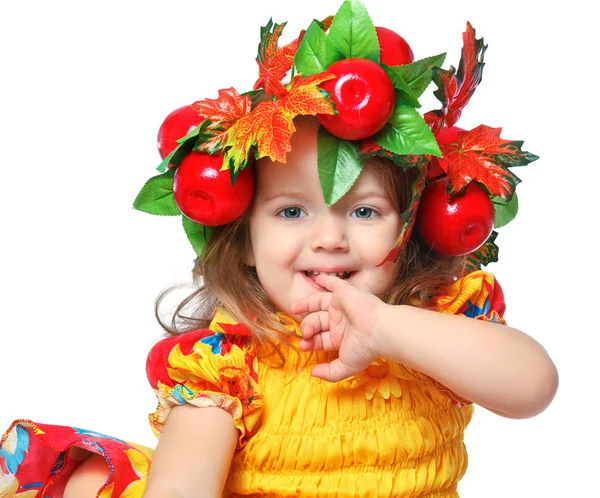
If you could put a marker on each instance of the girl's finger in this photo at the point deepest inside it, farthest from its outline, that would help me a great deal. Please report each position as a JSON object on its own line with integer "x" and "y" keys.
{"x": 312, "y": 303}
{"x": 319, "y": 342}
{"x": 330, "y": 282}
{"x": 314, "y": 323}
{"x": 307, "y": 345}
{"x": 334, "y": 371}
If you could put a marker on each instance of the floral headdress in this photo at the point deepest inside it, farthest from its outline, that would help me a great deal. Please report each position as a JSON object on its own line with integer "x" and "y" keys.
{"x": 304, "y": 78}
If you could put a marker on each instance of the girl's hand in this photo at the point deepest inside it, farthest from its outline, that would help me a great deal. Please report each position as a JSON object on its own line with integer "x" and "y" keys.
{"x": 345, "y": 319}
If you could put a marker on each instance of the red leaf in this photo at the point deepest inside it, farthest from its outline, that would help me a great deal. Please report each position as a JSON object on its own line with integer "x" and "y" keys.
{"x": 455, "y": 90}
{"x": 481, "y": 155}
{"x": 273, "y": 61}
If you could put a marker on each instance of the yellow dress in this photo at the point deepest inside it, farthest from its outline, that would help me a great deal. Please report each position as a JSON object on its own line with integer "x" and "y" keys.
{"x": 389, "y": 431}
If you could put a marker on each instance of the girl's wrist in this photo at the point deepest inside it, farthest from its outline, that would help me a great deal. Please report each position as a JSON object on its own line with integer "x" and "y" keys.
{"x": 388, "y": 329}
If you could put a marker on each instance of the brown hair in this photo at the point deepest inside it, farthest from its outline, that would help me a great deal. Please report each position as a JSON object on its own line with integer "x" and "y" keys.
{"x": 224, "y": 279}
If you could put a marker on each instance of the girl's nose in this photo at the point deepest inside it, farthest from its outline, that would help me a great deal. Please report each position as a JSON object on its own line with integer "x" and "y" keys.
{"x": 329, "y": 234}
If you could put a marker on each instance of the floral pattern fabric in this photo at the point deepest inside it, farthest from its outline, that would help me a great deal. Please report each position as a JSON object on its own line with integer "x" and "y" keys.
{"x": 216, "y": 367}
{"x": 36, "y": 460}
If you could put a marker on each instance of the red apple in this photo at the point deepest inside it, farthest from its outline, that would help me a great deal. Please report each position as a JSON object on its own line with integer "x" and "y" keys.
{"x": 204, "y": 193}
{"x": 458, "y": 225}
{"x": 394, "y": 51}
{"x": 364, "y": 99}
{"x": 175, "y": 126}
{"x": 448, "y": 135}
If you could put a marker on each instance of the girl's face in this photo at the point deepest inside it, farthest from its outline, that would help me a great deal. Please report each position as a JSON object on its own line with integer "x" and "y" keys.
{"x": 295, "y": 235}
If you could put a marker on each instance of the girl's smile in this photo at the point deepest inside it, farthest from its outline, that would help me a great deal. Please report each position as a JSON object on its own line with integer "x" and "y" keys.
{"x": 295, "y": 235}
{"x": 311, "y": 275}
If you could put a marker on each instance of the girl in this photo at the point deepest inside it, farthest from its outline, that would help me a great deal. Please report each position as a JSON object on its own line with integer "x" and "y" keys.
{"x": 328, "y": 365}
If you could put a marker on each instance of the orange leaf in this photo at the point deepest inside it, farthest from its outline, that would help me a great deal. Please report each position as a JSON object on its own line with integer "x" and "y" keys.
{"x": 270, "y": 125}
{"x": 273, "y": 61}
{"x": 229, "y": 107}
{"x": 222, "y": 113}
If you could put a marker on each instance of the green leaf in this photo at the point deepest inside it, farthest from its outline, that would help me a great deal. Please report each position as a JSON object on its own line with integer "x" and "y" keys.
{"x": 353, "y": 31}
{"x": 156, "y": 196}
{"x": 338, "y": 165}
{"x": 197, "y": 234}
{"x": 407, "y": 133}
{"x": 316, "y": 52}
{"x": 403, "y": 90}
{"x": 162, "y": 167}
{"x": 418, "y": 74}
{"x": 505, "y": 210}
{"x": 186, "y": 144}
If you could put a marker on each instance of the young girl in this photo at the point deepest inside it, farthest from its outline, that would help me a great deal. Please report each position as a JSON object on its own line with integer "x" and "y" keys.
{"x": 331, "y": 352}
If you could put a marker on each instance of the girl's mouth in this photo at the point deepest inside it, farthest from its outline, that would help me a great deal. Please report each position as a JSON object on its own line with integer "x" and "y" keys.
{"x": 345, "y": 275}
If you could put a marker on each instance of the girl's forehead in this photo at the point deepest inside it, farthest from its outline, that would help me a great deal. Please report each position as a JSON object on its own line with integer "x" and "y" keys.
{"x": 300, "y": 174}
{"x": 300, "y": 167}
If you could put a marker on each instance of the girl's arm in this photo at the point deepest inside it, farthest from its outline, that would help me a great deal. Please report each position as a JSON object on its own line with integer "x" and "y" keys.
{"x": 193, "y": 455}
{"x": 495, "y": 366}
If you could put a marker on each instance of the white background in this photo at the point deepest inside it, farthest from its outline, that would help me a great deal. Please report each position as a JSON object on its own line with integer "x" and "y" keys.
{"x": 84, "y": 88}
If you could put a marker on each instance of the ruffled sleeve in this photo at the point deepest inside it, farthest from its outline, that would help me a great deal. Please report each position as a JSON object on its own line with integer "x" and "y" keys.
{"x": 477, "y": 295}
{"x": 212, "y": 367}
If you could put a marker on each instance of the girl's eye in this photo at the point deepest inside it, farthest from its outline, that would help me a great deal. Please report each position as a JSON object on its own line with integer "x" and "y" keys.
{"x": 363, "y": 212}
{"x": 292, "y": 212}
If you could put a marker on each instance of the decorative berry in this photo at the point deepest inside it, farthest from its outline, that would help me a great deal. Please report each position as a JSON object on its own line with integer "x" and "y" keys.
{"x": 448, "y": 135}
{"x": 175, "y": 126}
{"x": 394, "y": 51}
{"x": 364, "y": 99}
{"x": 458, "y": 225}
{"x": 204, "y": 193}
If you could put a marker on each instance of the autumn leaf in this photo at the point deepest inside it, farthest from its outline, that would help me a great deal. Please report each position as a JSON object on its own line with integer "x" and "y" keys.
{"x": 368, "y": 148}
{"x": 227, "y": 108}
{"x": 273, "y": 61}
{"x": 270, "y": 125}
{"x": 455, "y": 89}
{"x": 409, "y": 215}
{"x": 222, "y": 112}
{"x": 486, "y": 254}
{"x": 481, "y": 155}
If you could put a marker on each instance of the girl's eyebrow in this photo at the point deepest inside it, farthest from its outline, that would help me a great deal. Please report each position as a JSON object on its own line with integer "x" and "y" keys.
{"x": 368, "y": 193}
{"x": 291, "y": 193}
